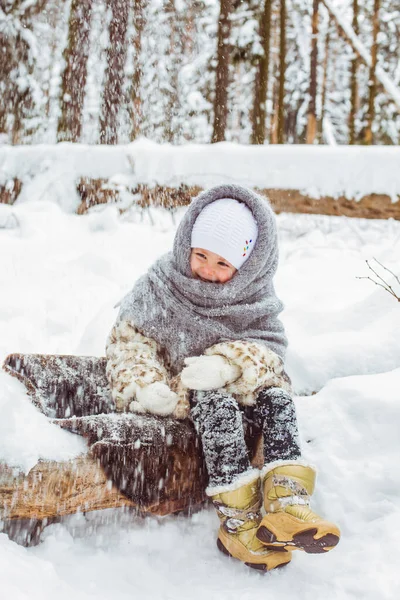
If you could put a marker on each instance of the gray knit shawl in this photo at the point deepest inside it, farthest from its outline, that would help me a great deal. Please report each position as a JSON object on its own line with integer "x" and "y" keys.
{"x": 185, "y": 315}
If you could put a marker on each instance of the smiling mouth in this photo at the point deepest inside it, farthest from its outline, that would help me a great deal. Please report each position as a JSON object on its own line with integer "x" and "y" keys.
{"x": 206, "y": 280}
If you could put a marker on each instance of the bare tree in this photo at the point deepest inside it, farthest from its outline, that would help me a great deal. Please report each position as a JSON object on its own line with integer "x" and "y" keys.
{"x": 353, "y": 84}
{"x": 176, "y": 37}
{"x": 282, "y": 70}
{"x": 261, "y": 79}
{"x": 274, "y": 47}
{"x": 17, "y": 82}
{"x": 372, "y": 74}
{"x": 222, "y": 72}
{"x": 114, "y": 77}
{"x": 312, "y": 107}
{"x": 135, "y": 102}
{"x": 324, "y": 80}
{"x": 74, "y": 76}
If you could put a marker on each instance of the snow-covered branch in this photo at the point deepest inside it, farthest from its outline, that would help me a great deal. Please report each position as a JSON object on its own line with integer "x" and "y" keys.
{"x": 361, "y": 50}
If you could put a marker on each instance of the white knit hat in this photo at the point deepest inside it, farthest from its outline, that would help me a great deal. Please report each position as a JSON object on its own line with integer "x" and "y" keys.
{"x": 228, "y": 228}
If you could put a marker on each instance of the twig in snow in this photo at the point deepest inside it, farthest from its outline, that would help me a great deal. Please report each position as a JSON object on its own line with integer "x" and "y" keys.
{"x": 385, "y": 285}
{"x": 388, "y": 270}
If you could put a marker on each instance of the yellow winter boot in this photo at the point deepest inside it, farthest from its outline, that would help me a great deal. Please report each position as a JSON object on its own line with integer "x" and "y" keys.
{"x": 239, "y": 514}
{"x": 290, "y": 523}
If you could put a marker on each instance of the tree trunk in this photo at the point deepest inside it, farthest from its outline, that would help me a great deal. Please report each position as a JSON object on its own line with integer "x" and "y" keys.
{"x": 312, "y": 107}
{"x": 282, "y": 70}
{"x": 175, "y": 55}
{"x": 55, "y": 20}
{"x": 324, "y": 81}
{"x": 222, "y": 72}
{"x": 353, "y": 84}
{"x": 114, "y": 77}
{"x": 372, "y": 75}
{"x": 135, "y": 101}
{"x": 261, "y": 80}
{"x": 273, "y": 132}
{"x": 75, "y": 55}
{"x": 17, "y": 40}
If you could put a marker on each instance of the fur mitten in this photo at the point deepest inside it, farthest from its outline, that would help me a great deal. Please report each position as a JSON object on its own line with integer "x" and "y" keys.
{"x": 260, "y": 368}
{"x": 155, "y": 398}
{"x": 208, "y": 372}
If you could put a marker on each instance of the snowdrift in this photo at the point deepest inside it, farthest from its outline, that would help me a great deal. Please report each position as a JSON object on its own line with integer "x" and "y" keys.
{"x": 51, "y": 172}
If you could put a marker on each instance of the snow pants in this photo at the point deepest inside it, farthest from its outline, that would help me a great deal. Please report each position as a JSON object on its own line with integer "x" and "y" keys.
{"x": 221, "y": 423}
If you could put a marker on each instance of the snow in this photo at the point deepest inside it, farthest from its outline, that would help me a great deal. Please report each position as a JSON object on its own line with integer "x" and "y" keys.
{"x": 60, "y": 279}
{"x": 328, "y": 131}
{"x": 7, "y": 217}
{"x": 26, "y": 435}
{"x": 51, "y": 172}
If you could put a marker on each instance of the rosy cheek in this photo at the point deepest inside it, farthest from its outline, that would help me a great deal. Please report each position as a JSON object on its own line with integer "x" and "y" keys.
{"x": 193, "y": 264}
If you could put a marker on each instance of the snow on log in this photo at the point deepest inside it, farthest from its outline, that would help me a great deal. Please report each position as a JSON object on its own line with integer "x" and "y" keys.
{"x": 57, "y": 173}
{"x": 151, "y": 463}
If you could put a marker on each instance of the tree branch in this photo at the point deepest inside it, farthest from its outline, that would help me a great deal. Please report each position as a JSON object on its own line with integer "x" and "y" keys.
{"x": 385, "y": 285}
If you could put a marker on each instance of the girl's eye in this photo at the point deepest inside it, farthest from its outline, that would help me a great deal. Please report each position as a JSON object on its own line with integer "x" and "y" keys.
{"x": 200, "y": 255}
{"x": 222, "y": 264}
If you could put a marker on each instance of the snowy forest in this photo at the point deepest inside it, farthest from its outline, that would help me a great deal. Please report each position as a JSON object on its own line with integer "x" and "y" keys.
{"x": 178, "y": 71}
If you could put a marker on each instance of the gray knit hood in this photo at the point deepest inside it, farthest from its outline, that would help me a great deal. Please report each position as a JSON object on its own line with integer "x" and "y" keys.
{"x": 185, "y": 315}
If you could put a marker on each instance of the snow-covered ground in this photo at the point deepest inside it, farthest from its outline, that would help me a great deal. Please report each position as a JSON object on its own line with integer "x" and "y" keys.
{"x": 60, "y": 277}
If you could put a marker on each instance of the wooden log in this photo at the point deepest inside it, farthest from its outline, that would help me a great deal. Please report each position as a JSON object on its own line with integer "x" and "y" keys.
{"x": 54, "y": 489}
{"x": 51, "y": 490}
{"x": 370, "y": 206}
{"x": 10, "y": 190}
{"x": 149, "y": 463}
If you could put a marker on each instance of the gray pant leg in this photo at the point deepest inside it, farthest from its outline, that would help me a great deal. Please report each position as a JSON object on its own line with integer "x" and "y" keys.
{"x": 275, "y": 413}
{"x": 218, "y": 420}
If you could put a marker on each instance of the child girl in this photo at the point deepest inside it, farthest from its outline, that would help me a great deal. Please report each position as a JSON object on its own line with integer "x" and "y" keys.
{"x": 199, "y": 335}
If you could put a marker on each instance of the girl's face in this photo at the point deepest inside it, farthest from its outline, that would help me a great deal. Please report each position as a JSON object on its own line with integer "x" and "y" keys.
{"x": 208, "y": 266}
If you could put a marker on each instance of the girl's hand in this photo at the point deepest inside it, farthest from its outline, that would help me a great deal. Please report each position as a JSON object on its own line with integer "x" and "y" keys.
{"x": 208, "y": 372}
{"x": 157, "y": 399}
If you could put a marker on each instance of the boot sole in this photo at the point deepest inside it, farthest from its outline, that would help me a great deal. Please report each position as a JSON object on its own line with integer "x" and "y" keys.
{"x": 258, "y": 566}
{"x": 304, "y": 540}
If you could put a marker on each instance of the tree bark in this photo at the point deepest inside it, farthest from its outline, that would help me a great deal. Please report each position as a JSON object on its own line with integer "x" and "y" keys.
{"x": 354, "y": 85}
{"x": 222, "y": 72}
{"x": 282, "y": 71}
{"x": 273, "y": 125}
{"x": 76, "y": 56}
{"x": 17, "y": 103}
{"x": 261, "y": 80}
{"x": 114, "y": 77}
{"x": 324, "y": 82}
{"x": 135, "y": 101}
{"x": 312, "y": 107}
{"x": 372, "y": 75}
{"x": 175, "y": 55}
{"x": 53, "y": 489}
